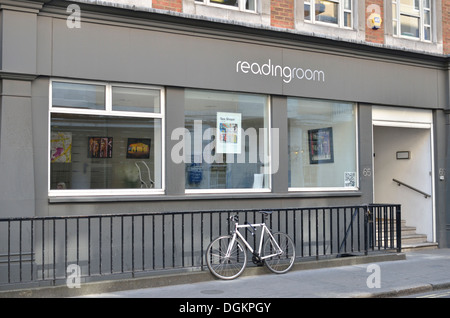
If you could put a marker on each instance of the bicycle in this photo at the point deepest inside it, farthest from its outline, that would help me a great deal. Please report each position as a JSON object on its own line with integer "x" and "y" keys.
{"x": 226, "y": 256}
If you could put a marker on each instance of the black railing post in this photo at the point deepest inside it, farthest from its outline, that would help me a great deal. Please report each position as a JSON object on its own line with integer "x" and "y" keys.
{"x": 398, "y": 218}
{"x": 367, "y": 213}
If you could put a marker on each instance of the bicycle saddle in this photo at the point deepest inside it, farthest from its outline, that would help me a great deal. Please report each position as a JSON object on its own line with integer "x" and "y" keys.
{"x": 266, "y": 212}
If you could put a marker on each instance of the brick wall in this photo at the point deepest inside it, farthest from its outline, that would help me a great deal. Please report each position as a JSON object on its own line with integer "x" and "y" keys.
{"x": 375, "y": 36}
{"x": 172, "y": 5}
{"x": 446, "y": 25}
{"x": 282, "y": 13}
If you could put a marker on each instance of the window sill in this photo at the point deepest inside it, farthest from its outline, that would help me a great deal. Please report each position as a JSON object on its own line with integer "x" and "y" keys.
{"x": 226, "y": 7}
{"x": 101, "y": 195}
{"x": 330, "y": 31}
{"x": 226, "y": 191}
{"x": 201, "y": 196}
{"x": 325, "y": 189}
{"x": 413, "y": 44}
{"x": 329, "y": 24}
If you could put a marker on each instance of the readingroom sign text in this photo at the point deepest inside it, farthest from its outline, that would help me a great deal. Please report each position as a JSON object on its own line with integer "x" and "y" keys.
{"x": 287, "y": 73}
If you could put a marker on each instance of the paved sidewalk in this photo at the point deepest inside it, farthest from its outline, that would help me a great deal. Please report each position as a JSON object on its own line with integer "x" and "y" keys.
{"x": 423, "y": 270}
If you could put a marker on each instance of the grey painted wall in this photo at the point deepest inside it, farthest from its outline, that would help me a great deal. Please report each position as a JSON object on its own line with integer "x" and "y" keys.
{"x": 145, "y": 51}
{"x": 16, "y": 149}
{"x": 112, "y": 53}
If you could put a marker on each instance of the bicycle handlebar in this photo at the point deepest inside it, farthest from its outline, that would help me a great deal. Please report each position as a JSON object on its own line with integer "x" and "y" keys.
{"x": 235, "y": 217}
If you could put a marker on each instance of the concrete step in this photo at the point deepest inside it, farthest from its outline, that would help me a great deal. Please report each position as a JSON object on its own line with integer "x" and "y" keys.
{"x": 408, "y": 230}
{"x": 414, "y": 238}
{"x": 419, "y": 246}
{"x": 410, "y": 239}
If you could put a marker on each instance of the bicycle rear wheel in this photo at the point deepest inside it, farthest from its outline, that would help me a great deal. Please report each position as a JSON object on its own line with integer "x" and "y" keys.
{"x": 221, "y": 265}
{"x": 281, "y": 262}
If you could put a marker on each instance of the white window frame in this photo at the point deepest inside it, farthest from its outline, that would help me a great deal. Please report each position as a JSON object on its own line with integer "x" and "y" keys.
{"x": 111, "y": 113}
{"x": 339, "y": 189}
{"x": 420, "y": 14}
{"x": 341, "y": 14}
{"x": 240, "y": 7}
{"x": 270, "y": 149}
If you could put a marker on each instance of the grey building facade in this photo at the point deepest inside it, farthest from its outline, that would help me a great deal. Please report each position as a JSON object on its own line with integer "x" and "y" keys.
{"x": 140, "y": 110}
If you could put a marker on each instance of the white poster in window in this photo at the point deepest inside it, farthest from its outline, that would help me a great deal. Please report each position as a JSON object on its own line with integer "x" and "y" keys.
{"x": 228, "y": 133}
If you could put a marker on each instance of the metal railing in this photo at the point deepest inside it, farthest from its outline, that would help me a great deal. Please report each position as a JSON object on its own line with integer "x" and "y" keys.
{"x": 400, "y": 183}
{"x": 38, "y": 251}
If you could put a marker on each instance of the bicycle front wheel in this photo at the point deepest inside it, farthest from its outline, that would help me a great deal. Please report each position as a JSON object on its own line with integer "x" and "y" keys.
{"x": 279, "y": 261}
{"x": 222, "y": 265}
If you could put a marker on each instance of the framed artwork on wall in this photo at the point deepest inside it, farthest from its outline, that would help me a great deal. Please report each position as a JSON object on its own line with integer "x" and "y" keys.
{"x": 100, "y": 147}
{"x": 320, "y": 145}
{"x": 138, "y": 148}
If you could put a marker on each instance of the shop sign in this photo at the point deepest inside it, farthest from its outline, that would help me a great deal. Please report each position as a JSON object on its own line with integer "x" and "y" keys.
{"x": 287, "y": 73}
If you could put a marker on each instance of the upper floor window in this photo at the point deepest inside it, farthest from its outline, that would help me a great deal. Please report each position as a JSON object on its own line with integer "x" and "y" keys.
{"x": 242, "y": 5}
{"x": 333, "y": 12}
{"x": 412, "y": 19}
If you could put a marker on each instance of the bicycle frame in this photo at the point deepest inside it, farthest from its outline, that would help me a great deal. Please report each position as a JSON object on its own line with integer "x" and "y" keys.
{"x": 265, "y": 230}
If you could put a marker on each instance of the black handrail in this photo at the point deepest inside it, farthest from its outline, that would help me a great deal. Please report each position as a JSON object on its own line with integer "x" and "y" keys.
{"x": 412, "y": 188}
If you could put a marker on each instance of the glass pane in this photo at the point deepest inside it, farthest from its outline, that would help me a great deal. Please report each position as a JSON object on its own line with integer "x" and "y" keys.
{"x": 347, "y": 19}
{"x": 322, "y": 143}
{"x": 250, "y": 5}
{"x": 327, "y": 11}
{"x": 409, "y": 7}
{"x": 426, "y": 4}
{"x": 100, "y": 152}
{"x": 78, "y": 95}
{"x": 135, "y": 99}
{"x": 307, "y": 12}
{"x": 395, "y": 27}
{"x": 347, "y": 4}
{"x": 233, "y": 3}
{"x": 228, "y": 140}
{"x": 427, "y": 34}
{"x": 409, "y": 26}
{"x": 427, "y": 17}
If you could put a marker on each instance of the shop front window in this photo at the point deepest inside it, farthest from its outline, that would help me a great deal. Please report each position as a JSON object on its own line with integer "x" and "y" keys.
{"x": 228, "y": 141}
{"x": 105, "y": 137}
{"x": 322, "y": 145}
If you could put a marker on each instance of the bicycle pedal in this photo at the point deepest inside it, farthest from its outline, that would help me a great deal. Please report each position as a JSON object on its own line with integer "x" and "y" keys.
{"x": 257, "y": 261}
